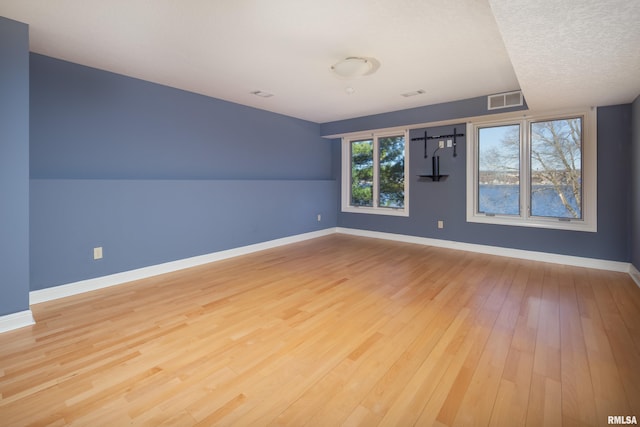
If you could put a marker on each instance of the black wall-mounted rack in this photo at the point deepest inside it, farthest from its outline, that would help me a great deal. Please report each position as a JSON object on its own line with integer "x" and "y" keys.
{"x": 434, "y": 177}
{"x": 426, "y": 138}
{"x": 435, "y": 160}
{"x": 435, "y": 168}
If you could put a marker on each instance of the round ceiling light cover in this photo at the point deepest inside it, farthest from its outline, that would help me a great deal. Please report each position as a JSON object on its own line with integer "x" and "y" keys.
{"x": 355, "y": 66}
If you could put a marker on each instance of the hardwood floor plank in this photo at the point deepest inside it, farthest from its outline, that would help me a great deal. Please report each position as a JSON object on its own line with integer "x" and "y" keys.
{"x": 440, "y": 406}
{"x": 578, "y": 401}
{"x": 478, "y": 402}
{"x": 339, "y": 330}
{"x": 511, "y": 403}
{"x": 418, "y": 390}
{"x": 610, "y": 398}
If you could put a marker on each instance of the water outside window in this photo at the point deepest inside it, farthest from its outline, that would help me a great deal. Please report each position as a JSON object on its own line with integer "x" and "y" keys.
{"x": 499, "y": 170}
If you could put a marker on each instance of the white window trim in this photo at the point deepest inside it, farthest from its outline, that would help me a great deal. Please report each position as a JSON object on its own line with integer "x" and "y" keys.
{"x": 346, "y": 174}
{"x": 589, "y": 221}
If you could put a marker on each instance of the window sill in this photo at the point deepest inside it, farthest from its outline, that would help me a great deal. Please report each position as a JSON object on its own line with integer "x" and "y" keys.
{"x": 376, "y": 211}
{"x": 551, "y": 223}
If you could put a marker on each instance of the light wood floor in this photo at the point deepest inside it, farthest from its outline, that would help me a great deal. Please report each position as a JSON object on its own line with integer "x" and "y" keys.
{"x": 338, "y": 330}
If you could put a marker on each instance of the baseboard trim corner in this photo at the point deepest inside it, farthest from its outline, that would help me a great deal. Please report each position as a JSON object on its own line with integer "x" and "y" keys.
{"x": 12, "y": 321}
{"x": 66, "y": 290}
{"x": 634, "y": 273}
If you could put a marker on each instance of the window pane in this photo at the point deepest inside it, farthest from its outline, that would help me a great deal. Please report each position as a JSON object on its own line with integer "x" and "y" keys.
{"x": 499, "y": 170}
{"x": 556, "y": 168}
{"x": 391, "y": 177}
{"x": 362, "y": 173}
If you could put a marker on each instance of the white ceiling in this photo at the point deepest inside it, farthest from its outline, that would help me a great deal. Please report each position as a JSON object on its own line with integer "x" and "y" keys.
{"x": 560, "y": 53}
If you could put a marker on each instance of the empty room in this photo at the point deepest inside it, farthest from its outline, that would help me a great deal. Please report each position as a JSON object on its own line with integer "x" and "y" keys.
{"x": 358, "y": 213}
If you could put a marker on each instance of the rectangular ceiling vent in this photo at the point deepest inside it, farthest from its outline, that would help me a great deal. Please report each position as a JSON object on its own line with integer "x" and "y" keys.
{"x": 505, "y": 100}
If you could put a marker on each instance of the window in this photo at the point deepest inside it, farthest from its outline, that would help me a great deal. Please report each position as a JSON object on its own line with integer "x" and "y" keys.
{"x": 534, "y": 172}
{"x": 374, "y": 171}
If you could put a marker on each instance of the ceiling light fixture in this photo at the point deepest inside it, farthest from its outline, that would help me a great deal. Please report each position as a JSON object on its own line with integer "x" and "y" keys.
{"x": 354, "y": 66}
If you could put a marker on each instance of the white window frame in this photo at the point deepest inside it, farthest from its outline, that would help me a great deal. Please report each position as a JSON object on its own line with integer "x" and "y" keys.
{"x": 346, "y": 174}
{"x": 589, "y": 220}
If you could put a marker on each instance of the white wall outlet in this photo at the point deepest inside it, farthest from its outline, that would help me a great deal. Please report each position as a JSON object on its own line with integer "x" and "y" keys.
{"x": 97, "y": 253}
{"x": 440, "y": 224}
{"x": 319, "y": 217}
{"x": 449, "y": 143}
{"x": 441, "y": 144}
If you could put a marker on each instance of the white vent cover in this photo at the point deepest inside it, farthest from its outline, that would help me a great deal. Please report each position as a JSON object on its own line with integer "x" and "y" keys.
{"x": 504, "y": 100}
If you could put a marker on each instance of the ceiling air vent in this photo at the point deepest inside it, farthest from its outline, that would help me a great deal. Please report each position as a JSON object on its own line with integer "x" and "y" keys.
{"x": 504, "y": 100}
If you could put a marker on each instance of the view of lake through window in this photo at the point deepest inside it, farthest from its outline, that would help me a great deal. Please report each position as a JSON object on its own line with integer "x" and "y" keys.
{"x": 499, "y": 170}
{"x": 554, "y": 175}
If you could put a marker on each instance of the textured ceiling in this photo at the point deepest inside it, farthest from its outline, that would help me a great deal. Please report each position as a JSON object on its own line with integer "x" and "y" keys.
{"x": 572, "y": 53}
{"x": 562, "y": 55}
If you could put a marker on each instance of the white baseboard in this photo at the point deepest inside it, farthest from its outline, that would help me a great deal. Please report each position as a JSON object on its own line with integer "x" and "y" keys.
{"x": 82, "y": 286}
{"x": 62, "y": 291}
{"x": 17, "y": 320}
{"x": 494, "y": 250}
{"x": 635, "y": 274}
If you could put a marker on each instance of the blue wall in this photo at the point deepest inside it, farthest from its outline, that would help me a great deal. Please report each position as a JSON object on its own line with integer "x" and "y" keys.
{"x": 155, "y": 174}
{"x": 14, "y": 166}
{"x": 446, "y": 200}
{"x": 635, "y": 185}
{"x": 92, "y": 124}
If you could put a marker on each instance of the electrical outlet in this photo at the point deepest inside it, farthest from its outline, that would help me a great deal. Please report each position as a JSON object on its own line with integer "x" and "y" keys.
{"x": 441, "y": 144}
{"x": 440, "y": 224}
{"x": 97, "y": 253}
{"x": 449, "y": 143}
{"x": 319, "y": 217}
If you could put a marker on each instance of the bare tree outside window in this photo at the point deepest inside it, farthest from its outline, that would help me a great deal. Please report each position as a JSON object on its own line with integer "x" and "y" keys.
{"x": 555, "y": 174}
{"x": 556, "y": 167}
